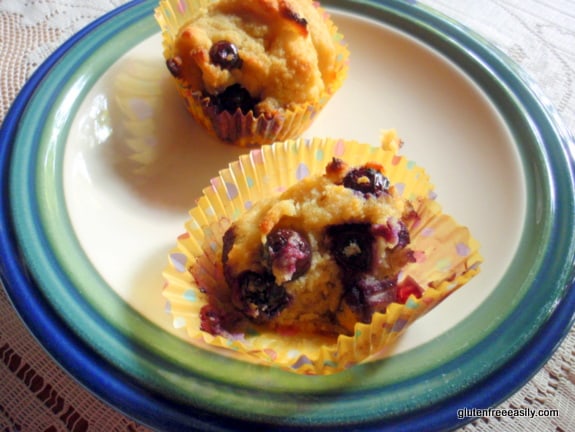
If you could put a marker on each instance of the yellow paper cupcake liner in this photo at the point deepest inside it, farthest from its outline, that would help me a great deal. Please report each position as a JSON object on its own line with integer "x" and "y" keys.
{"x": 447, "y": 256}
{"x": 239, "y": 128}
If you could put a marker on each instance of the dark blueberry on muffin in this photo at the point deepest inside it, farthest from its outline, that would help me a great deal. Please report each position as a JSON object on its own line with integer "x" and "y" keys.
{"x": 366, "y": 294}
{"x": 233, "y": 98}
{"x": 366, "y": 180}
{"x": 287, "y": 253}
{"x": 259, "y": 297}
{"x": 352, "y": 246}
{"x": 225, "y": 55}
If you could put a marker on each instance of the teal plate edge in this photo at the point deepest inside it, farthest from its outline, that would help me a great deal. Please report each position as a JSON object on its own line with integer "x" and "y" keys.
{"x": 551, "y": 147}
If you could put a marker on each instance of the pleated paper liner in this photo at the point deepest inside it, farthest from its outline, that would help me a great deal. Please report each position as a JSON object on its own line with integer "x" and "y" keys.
{"x": 448, "y": 256}
{"x": 239, "y": 128}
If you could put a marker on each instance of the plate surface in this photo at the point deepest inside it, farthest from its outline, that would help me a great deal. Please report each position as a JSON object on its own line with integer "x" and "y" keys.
{"x": 100, "y": 163}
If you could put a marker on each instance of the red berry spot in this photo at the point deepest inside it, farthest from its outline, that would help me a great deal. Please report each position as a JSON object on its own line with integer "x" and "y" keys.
{"x": 406, "y": 288}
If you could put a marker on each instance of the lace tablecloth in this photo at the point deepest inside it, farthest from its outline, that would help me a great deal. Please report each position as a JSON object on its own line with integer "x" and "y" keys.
{"x": 36, "y": 395}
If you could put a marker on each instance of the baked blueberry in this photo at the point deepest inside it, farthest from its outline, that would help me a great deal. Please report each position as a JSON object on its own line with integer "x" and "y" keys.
{"x": 287, "y": 253}
{"x": 259, "y": 297}
{"x": 225, "y": 55}
{"x": 233, "y": 98}
{"x": 351, "y": 245}
{"x": 367, "y": 180}
{"x": 366, "y": 294}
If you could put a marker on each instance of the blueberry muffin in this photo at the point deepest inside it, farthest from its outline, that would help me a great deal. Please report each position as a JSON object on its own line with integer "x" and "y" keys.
{"x": 254, "y": 71}
{"x": 325, "y": 254}
{"x": 300, "y": 255}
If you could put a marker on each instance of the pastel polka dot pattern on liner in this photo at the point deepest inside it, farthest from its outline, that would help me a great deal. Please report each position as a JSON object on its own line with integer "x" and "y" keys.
{"x": 190, "y": 295}
{"x": 399, "y": 325}
{"x": 179, "y": 262}
{"x": 427, "y": 232}
{"x": 179, "y": 322}
{"x": 232, "y": 191}
{"x": 257, "y": 157}
{"x": 302, "y": 171}
{"x": 411, "y": 304}
{"x": 339, "y": 149}
{"x": 462, "y": 249}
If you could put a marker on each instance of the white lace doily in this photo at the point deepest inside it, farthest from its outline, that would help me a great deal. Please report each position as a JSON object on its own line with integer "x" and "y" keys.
{"x": 36, "y": 395}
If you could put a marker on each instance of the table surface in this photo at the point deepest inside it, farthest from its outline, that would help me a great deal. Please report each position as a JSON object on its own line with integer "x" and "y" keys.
{"x": 37, "y": 395}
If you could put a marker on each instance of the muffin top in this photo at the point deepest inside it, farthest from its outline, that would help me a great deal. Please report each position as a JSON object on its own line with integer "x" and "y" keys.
{"x": 270, "y": 53}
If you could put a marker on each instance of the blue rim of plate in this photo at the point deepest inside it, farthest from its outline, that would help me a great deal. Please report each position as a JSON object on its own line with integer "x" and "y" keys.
{"x": 26, "y": 255}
